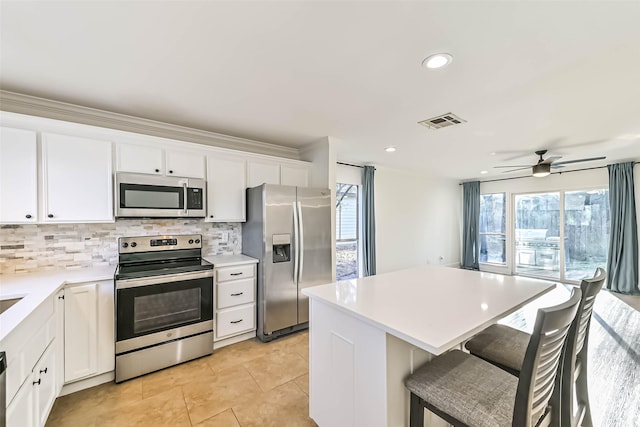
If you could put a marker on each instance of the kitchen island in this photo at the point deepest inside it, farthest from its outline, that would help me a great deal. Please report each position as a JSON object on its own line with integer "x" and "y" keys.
{"x": 367, "y": 335}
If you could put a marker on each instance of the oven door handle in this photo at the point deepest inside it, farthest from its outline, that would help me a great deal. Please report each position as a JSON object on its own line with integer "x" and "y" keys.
{"x": 168, "y": 278}
{"x": 184, "y": 186}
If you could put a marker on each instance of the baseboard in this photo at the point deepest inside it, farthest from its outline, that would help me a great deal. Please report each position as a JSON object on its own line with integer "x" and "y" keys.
{"x": 87, "y": 383}
{"x": 233, "y": 340}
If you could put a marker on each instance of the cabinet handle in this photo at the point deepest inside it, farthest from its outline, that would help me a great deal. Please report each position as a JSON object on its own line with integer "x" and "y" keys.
{"x": 157, "y": 170}
{"x": 236, "y": 321}
{"x": 238, "y": 294}
{"x": 61, "y": 297}
{"x": 236, "y": 274}
{"x": 210, "y": 216}
{"x": 50, "y": 215}
{"x": 28, "y": 216}
{"x": 37, "y": 382}
{"x": 170, "y": 171}
{"x": 43, "y": 371}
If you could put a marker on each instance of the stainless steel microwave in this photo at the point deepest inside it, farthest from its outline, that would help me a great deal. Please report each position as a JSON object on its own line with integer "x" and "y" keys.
{"x": 150, "y": 196}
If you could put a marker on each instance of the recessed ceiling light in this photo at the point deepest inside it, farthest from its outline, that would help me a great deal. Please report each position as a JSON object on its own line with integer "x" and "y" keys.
{"x": 438, "y": 60}
{"x": 483, "y": 172}
{"x": 390, "y": 149}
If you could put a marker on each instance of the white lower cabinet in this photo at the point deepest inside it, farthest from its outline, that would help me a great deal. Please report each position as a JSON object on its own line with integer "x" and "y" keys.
{"x": 88, "y": 330}
{"x": 235, "y": 296}
{"x": 31, "y": 368}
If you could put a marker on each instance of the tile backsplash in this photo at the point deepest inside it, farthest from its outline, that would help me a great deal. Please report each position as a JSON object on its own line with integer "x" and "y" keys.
{"x": 28, "y": 248}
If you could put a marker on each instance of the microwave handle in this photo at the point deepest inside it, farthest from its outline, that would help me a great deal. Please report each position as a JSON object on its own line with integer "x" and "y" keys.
{"x": 184, "y": 186}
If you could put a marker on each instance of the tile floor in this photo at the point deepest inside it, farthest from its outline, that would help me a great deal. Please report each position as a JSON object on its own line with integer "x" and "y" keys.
{"x": 246, "y": 384}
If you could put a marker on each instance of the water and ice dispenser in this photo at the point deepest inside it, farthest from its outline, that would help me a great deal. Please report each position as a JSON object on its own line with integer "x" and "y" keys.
{"x": 281, "y": 248}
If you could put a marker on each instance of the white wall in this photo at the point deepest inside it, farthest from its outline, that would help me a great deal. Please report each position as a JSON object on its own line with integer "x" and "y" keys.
{"x": 417, "y": 220}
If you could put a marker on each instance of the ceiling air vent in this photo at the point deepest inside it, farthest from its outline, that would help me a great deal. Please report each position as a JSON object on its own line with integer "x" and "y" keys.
{"x": 442, "y": 121}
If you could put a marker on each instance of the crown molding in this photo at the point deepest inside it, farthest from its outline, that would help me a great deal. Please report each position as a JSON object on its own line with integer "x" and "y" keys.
{"x": 34, "y": 106}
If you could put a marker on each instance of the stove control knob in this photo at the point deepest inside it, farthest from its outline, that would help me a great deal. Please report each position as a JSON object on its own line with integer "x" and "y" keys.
{"x": 191, "y": 241}
{"x": 197, "y": 240}
{"x": 125, "y": 245}
{"x": 134, "y": 244}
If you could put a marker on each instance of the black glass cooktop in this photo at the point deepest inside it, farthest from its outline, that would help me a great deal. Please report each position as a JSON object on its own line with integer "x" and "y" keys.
{"x": 158, "y": 268}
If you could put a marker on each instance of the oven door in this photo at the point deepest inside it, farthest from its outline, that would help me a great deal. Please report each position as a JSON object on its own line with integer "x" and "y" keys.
{"x": 157, "y": 309}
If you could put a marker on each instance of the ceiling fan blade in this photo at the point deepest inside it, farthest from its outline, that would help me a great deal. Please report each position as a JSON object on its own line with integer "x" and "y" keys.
{"x": 519, "y": 169}
{"x": 550, "y": 160}
{"x": 580, "y": 160}
{"x": 556, "y": 166}
{"x": 513, "y": 166}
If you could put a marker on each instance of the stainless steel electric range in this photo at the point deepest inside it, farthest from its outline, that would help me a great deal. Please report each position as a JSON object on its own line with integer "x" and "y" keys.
{"x": 163, "y": 303}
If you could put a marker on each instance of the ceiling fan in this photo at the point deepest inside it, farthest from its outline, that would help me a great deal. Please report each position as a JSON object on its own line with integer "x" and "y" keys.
{"x": 544, "y": 166}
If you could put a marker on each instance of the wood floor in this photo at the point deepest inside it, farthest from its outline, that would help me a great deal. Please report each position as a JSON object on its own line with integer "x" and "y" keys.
{"x": 614, "y": 354}
{"x": 256, "y": 384}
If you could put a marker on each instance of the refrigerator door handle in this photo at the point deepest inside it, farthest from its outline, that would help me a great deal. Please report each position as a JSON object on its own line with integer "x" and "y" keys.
{"x": 301, "y": 241}
{"x": 296, "y": 242}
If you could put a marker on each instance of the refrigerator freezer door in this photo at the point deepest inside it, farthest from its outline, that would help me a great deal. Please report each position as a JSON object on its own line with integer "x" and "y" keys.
{"x": 278, "y": 287}
{"x": 314, "y": 216}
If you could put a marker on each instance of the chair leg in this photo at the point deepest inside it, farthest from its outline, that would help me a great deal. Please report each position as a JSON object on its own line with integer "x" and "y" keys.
{"x": 416, "y": 412}
{"x": 582, "y": 393}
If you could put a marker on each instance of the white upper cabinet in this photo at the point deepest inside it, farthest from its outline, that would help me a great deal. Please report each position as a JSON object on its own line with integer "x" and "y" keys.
{"x": 185, "y": 164}
{"x": 139, "y": 159}
{"x": 18, "y": 176}
{"x": 294, "y": 175}
{"x": 157, "y": 161}
{"x": 77, "y": 180}
{"x": 262, "y": 172}
{"x": 226, "y": 183}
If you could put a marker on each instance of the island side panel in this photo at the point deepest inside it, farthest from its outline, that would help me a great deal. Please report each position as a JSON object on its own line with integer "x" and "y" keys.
{"x": 347, "y": 369}
{"x": 403, "y": 359}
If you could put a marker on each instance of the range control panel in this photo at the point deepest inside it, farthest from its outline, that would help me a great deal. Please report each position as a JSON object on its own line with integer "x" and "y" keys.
{"x": 158, "y": 243}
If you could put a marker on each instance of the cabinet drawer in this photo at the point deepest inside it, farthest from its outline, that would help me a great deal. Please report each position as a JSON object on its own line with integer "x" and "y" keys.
{"x": 235, "y": 272}
{"x": 235, "y": 292}
{"x": 235, "y": 320}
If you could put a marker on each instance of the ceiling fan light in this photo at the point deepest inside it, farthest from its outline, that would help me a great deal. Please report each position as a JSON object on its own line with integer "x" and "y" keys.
{"x": 541, "y": 170}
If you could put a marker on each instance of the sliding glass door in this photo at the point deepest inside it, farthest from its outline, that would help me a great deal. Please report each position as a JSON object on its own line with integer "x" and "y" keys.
{"x": 347, "y": 231}
{"x": 561, "y": 235}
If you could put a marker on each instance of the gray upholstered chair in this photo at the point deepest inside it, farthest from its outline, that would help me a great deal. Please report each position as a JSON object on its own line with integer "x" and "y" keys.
{"x": 505, "y": 347}
{"x": 468, "y": 391}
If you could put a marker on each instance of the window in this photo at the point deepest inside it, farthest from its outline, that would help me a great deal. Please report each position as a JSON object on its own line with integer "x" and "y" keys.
{"x": 537, "y": 234}
{"x": 561, "y": 235}
{"x": 492, "y": 228}
{"x": 347, "y": 231}
{"x": 586, "y": 230}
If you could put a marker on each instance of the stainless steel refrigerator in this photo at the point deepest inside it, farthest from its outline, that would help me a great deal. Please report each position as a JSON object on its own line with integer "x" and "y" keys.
{"x": 289, "y": 230}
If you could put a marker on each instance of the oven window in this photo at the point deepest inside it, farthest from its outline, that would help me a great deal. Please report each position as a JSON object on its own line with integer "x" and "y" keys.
{"x": 151, "y": 196}
{"x": 160, "y": 311}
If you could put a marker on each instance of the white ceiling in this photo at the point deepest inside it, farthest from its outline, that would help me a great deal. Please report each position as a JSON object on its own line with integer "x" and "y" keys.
{"x": 526, "y": 75}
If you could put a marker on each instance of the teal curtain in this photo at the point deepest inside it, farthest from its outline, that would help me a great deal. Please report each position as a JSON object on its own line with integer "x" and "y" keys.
{"x": 368, "y": 222}
{"x": 622, "y": 264}
{"x": 471, "y": 225}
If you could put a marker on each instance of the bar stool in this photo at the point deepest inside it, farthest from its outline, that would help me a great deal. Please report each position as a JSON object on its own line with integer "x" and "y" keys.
{"x": 465, "y": 390}
{"x": 505, "y": 347}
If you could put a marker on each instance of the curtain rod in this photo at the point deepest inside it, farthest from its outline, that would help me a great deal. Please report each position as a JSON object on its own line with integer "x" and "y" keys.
{"x": 552, "y": 173}
{"x": 353, "y": 166}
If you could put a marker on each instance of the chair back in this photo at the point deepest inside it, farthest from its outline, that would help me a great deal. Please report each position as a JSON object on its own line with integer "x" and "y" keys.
{"x": 541, "y": 362}
{"x": 574, "y": 365}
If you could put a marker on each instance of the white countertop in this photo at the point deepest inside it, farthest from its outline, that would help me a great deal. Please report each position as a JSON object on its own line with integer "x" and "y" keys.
{"x": 229, "y": 260}
{"x": 37, "y": 287}
{"x": 431, "y": 307}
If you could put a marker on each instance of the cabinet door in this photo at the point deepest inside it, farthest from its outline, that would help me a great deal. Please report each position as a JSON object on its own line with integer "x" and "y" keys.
{"x": 294, "y": 175}
{"x": 260, "y": 172}
{"x": 183, "y": 164}
{"x": 77, "y": 179}
{"x": 105, "y": 331}
{"x": 44, "y": 383}
{"x": 18, "y": 176}
{"x": 80, "y": 331}
{"x": 59, "y": 340}
{"x": 139, "y": 159}
{"x": 21, "y": 410}
{"x": 226, "y": 184}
